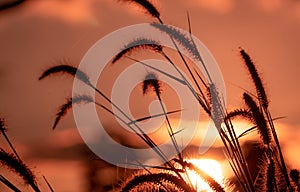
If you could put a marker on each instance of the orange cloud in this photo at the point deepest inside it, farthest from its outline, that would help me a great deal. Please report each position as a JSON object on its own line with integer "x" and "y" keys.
{"x": 297, "y": 10}
{"x": 270, "y": 5}
{"x": 70, "y": 11}
{"x": 219, "y": 6}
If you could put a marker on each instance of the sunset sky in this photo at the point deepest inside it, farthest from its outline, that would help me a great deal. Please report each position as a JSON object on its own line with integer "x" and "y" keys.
{"x": 37, "y": 34}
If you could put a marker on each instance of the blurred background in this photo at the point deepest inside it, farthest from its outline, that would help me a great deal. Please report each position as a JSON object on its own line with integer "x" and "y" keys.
{"x": 35, "y": 35}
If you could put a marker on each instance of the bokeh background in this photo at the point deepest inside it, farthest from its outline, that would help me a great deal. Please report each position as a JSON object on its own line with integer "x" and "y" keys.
{"x": 36, "y": 35}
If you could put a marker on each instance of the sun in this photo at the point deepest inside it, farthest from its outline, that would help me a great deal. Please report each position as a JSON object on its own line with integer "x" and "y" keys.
{"x": 211, "y": 167}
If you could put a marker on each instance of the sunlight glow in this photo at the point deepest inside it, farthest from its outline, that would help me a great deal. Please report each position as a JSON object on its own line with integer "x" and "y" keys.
{"x": 211, "y": 167}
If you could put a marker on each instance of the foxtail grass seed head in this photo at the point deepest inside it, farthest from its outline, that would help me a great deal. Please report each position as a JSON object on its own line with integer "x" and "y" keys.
{"x": 64, "y": 68}
{"x": 261, "y": 93}
{"x": 148, "y": 7}
{"x": 13, "y": 163}
{"x": 180, "y": 38}
{"x": 151, "y": 81}
{"x": 239, "y": 113}
{"x": 271, "y": 179}
{"x": 258, "y": 119}
{"x": 140, "y": 43}
{"x": 150, "y": 180}
{"x": 70, "y": 101}
{"x": 3, "y": 126}
{"x": 294, "y": 174}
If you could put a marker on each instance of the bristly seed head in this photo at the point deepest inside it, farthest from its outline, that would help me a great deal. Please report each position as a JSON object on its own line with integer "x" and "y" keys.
{"x": 258, "y": 119}
{"x": 2, "y": 124}
{"x": 140, "y": 43}
{"x": 13, "y": 163}
{"x": 261, "y": 93}
{"x": 70, "y": 102}
{"x": 294, "y": 174}
{"x": 151, "y": 80}
{"x": 149, "y": 8}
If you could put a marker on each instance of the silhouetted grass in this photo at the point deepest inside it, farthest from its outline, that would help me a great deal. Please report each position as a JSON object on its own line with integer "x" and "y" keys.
{"x": 148, "y": 7}
{"x": 170, "y": 177}
{"x": 13, "y": 162}
{"x": 17, "y": 166}
{"x": 70, "y": 101}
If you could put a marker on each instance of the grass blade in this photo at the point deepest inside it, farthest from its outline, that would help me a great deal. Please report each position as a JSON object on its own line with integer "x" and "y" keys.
{"x": 152, "y": 116}
{"x": 48, "y": 184}
{"x": 68, "y": 105}
{"x": 9, "y": 184}
{"x": 17, "y": 166}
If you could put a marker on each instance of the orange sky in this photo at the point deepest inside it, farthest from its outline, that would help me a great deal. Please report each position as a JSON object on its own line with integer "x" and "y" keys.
{"x": 36, "y": 34}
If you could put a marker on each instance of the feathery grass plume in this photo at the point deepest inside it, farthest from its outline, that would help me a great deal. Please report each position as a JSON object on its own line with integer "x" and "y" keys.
{"x": 140, "y": 43}
{"x": 280, "y": 178}
{"x": 149, "y": 8}
{"x": 267, "y": 176}
{"x": 71, "y": 101}
{"x": 155, "y": 178}
{"x": 207, "y": 100}
{"x": 64, "y": 68}
{"x": 217, "y": 112}
{"x": 181, "y": 38}
{"x": 263, "y": 101}
{"x": 17, "y": 166}
{"x": 2, "y": 125}
{"x": 151, "y": 81}
{"x": 259, "y": 119}
{"x": 260, "y": 180}
{"x": 262, "y": 96}
{"x": 240, "y": 113}
{"x": 207, "y": 178}
{"x": 271, "y": 180}
{"x": 294, "y": 174}
{"x": 187, "y": 43}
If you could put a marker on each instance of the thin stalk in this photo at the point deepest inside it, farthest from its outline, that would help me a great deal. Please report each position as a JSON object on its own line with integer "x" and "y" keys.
{"x": 48, "y": 184}
{"x": 153, "y": 116}
{"x": 9, "y": 184}
{"x": 10, "y": 144}
{"x": 283, "y": 166}
{"x": 147, "y": 140}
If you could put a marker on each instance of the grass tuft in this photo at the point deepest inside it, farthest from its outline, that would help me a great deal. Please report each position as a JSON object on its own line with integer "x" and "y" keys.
{"x": 139, "y": 182}
{"x": 262, "y": 96}
{"x": 259, "y": 119}
{"x": 68, "y": 105}
{"x": 68, "y": 69}
{"x": 148, "y": 6}
{"x": 17, "y": 166}
{"x": 141, "y": 43}
{"x": 151, "y": 81}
